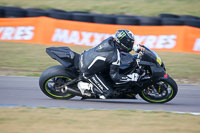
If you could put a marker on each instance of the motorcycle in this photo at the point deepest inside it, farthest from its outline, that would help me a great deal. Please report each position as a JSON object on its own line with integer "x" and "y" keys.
{"x": 154, "y": 84}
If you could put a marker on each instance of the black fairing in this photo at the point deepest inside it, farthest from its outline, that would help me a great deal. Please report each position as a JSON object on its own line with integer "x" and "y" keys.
{"x": 64, "y": 55}
{"x": 157, "y": 71}
{"x": 128, "y": 61}
{"x": 149, "y": 59}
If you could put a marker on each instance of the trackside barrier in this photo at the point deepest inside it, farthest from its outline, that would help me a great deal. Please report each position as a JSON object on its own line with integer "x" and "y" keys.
{"x": 49, "y": 31}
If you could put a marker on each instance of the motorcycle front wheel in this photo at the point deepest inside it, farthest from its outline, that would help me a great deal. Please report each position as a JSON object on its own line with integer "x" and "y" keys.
{"x": 161, "y": 92}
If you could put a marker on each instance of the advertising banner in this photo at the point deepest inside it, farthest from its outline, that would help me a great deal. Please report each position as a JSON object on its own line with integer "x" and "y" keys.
{"x": 49, "y": 31}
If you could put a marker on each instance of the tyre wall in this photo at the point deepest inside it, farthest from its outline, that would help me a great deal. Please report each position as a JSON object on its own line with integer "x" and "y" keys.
{"x": 162, "y": 19}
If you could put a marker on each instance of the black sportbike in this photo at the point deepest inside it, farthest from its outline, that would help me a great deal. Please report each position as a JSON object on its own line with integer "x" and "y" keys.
{"x": 154, "y": 84}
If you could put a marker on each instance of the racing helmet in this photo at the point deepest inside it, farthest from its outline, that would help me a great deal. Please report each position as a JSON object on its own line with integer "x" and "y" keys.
{"x": 124, "y": 39}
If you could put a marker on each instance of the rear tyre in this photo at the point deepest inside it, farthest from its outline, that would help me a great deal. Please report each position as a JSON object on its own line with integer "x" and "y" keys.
{"x": 52, "y": 82}
{"x": 161, "y": 92}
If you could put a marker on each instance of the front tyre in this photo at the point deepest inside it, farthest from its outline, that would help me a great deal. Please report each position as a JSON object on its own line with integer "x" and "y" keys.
{"x": 161, "y": 92}
{"x": 52, "y": 82}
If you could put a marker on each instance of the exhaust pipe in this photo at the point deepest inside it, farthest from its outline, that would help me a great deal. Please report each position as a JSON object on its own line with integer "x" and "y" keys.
{"x": 73, "y": 91}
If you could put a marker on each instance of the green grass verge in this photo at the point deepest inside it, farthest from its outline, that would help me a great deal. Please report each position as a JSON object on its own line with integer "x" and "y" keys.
{"x": 60, "y": 120}
{"x": 26, "y": 59}
{"x": 135, "y": 7}
{"x": 31, "y": 60}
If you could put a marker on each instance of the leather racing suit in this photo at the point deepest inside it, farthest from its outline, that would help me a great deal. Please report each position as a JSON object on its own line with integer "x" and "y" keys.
{"x": 103, "y": 57}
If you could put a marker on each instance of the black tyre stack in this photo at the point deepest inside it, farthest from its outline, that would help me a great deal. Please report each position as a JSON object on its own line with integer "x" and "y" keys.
{"x": 2, "y": 14}
{"x": 82, "y": 17}
{"x": 162, "y": 19}
{"x": 12, "y": 12}
{"x": 59, "y": 14}
{"x": 104, "y": 19}
{"x": 127, "y": 20}
{"x": 191, "y": 20}
{"x": 172, "y": 19}
{"x": 194, "y": 23}
{"x": 34, "y": 12}
{"x": 149, "y": 21}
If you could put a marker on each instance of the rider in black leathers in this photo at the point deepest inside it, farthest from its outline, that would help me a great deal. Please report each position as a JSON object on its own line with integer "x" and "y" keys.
{"x": 106, "y": 56}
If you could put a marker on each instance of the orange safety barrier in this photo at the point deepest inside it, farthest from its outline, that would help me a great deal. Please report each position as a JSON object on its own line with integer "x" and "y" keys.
{"x": 49, "y": 31}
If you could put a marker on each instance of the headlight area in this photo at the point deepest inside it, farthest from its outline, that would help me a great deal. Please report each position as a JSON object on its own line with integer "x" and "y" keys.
{"x": 163, "y": 66}
{"x": 158, "y": 59}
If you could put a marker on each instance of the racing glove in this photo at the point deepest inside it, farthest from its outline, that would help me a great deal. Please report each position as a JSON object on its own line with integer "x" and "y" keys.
{"x": 137, "y": 48}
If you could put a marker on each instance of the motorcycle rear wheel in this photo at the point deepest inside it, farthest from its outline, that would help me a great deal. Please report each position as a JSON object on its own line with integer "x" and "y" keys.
{"x": 52, "y": 82}
{"x": 163, "y": 91}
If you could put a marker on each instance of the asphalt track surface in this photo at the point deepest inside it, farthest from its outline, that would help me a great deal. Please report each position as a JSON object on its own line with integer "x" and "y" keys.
{"x": 25, "y": 91}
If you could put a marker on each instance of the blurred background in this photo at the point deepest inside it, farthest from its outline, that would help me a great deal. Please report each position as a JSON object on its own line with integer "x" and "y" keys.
{"x": 31, "y": 60}
{"x": 126, "y": 12}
